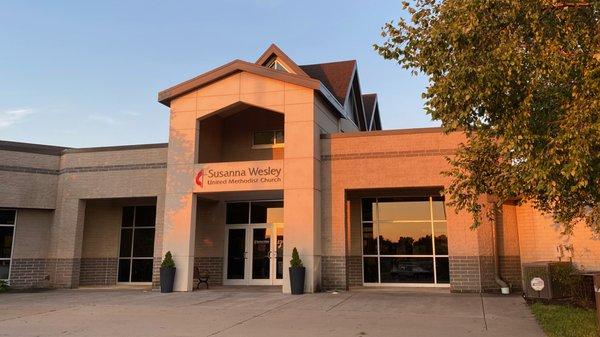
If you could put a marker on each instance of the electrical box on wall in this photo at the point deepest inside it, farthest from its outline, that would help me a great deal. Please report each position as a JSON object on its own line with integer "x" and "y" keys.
{"x": 545, "y": 280}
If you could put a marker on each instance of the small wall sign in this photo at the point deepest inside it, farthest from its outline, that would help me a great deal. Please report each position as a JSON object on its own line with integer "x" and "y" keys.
{"x": 537, "y": 284}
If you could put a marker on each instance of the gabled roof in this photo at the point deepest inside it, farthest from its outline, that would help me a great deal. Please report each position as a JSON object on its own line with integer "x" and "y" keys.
{"x": 336, "y": 76}
{"x": 372, "y": 111}
{"x": 274, "y": 51}
{"x": 232, "y": 67}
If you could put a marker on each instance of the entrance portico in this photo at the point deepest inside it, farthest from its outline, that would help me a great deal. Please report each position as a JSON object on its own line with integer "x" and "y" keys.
{"x": 201, "y": 160}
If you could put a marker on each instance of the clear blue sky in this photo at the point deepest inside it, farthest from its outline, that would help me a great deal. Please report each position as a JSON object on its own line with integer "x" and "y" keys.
{"x": 86, "y": 73}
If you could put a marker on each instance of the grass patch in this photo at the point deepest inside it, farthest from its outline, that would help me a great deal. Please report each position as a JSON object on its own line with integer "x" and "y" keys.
{"x": 565, "y": 321}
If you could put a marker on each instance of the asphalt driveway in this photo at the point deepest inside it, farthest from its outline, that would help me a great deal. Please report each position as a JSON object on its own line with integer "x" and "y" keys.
{"x": 227, "y": 312}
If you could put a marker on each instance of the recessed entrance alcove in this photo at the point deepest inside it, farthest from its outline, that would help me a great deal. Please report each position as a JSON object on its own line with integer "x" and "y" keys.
{"x": 240, "y": 132}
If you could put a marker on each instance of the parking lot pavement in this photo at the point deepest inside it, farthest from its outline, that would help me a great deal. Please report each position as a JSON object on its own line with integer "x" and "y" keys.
{"x": 222, "y": 312}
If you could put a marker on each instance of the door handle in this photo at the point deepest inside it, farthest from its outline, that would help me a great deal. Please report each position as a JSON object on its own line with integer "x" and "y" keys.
{"x": 245, "y": 255}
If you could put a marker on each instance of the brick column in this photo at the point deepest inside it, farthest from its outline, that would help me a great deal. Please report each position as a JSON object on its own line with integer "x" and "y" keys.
{"x": 66, "y": 238}
{"x": 302, "y": 185}
{"x": 180, "y": 202}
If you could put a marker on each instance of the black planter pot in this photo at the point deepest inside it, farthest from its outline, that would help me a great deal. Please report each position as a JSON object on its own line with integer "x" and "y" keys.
{"x": 297, "y": 275}
{"x": 167, "y": 279}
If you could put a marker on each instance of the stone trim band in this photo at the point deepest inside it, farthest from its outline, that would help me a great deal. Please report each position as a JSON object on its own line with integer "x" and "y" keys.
{"x": 35, "y": 170}
{"x": 388, "y": 154}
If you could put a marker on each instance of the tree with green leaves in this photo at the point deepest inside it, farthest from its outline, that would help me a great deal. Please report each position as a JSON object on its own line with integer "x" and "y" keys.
{"x": 522, "y": 80}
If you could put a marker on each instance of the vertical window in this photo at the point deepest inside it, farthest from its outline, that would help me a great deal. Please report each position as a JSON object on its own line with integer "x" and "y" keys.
{"x": 7, "y": 231}
{"x": 404, "y": 240}
{"x": 268, "y": 139}
{"x": 136, "y": 252}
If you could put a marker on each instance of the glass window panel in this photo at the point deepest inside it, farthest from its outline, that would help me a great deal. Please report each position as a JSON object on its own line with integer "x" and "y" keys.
{"x": 442, "y": 270}
{"x": 279, "y": 137}
{"x": 4, "y": 269}
{"x": 370, "y": 270}
{"x": 279, "y": 260}
{"x": 145, "y": 216}
{"x": 141, "y": 270}
{"x": 369, "y": 240}
{"x": 441, "y": 238}
{"x": 266, "y": 212}
{"x": 261, "y": 247}
{"x": 439, "y": 212}
{"x": 264, "y": 138}
{"x": 396, "y": 209}
{"x": 367, "y": 209}
{"x": 125, "y": 248}
{"x": 405, "y": 238}
{"x": 127, "y": 220}
{"x": 236, "y": 254}
{"x": 143, "y": 242}
{"x": 237, "y": 213}
{"x": 124, "y": 270}
{"x": 406, "y": 270}
{"x": 7, "y": 216}
{"x": 6, "y": 239}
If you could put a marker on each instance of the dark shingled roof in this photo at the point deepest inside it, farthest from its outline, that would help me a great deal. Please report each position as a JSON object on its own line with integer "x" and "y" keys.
{"x": 369, "y": 104}
{"x": 336, "y": 76}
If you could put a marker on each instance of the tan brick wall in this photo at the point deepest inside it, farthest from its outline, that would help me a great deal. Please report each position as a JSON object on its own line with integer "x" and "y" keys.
{"x": 539, "y": 237}
{"x": 29, "y": 180}
{"x": 210, "y": 229}
{"x": 32, "y": 232}
{"x": 101, "y": 230}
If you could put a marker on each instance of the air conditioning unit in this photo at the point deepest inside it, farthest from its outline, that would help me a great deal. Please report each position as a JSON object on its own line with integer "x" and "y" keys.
{"x": 543, "y": 280}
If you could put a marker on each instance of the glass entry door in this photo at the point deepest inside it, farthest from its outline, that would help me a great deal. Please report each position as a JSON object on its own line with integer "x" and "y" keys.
{"x": 254, "y": 250}
{"x": 254, "y": 255}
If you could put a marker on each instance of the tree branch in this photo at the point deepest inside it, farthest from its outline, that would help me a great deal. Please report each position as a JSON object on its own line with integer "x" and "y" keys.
{"x": 562, "y": 5}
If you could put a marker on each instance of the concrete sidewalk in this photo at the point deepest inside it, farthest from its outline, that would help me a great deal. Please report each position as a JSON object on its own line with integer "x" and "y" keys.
{"x": 223, "y": 312}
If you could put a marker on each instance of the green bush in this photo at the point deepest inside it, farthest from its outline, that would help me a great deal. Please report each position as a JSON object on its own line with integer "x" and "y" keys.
{"x": 168, "y": 261}
{"x": 295, "y": 261}
{"x": 3, "y": 286}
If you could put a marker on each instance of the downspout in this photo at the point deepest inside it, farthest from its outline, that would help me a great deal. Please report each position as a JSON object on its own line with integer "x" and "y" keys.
{"x": 504, "y": 288}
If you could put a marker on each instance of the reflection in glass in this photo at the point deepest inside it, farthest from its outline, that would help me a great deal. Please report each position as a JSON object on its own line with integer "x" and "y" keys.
{"x": 367, "y": 209}
{"x": 369, "y": 240}
{"x": 141, "y": 270}
{"x": 395, "y": 209}
{"x": 441, "y": 238}
{"x": 405, "y": 238}
{"x": 4, "y": 269}
{"x": 126, "y": 236}
{"x": 396, "y": 231}
{"x": 237, "y": 213}
{"x": 442, "y": 269}
{"x": 261, "y": 248}
{"x": 266, "y": 212}
{"x": 407, "y": 270}
{"x": 145, "y": 216}
{"x": 439, "y": 213}
{"x": 370, "y": 271}
{"x": 6, "y": 239}
{"x": 7, "y": 216}
{"x": 279, "y": 258}
{"x": 143, "y": 242}
{"x": 127, "y": 219}
{"x": 124, "y": 268}
{"x": 235, "y": 254}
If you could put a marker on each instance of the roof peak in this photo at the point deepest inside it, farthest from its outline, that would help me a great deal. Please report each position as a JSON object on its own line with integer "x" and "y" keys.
{"x": 275, "y": 51}
{"x": 332, "y": 62}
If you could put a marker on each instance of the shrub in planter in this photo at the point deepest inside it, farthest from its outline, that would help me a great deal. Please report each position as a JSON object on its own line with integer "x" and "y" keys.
{"x": 167, "y": 273}
{"x": 3, "y": 286}
{"x": 297, "y": 274}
